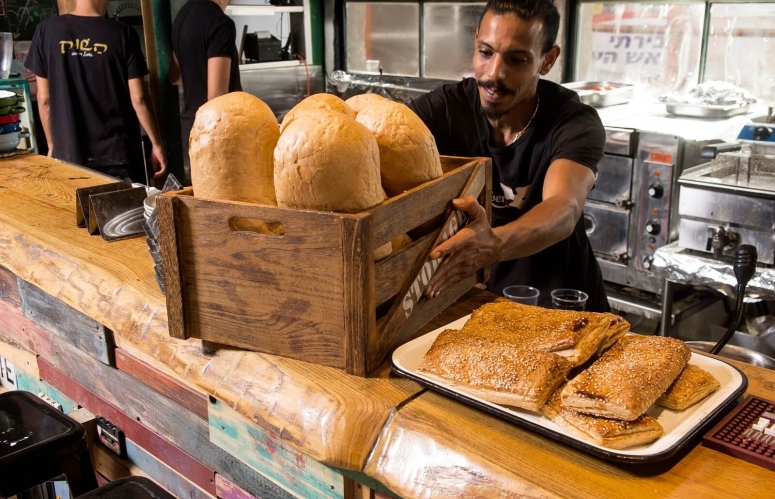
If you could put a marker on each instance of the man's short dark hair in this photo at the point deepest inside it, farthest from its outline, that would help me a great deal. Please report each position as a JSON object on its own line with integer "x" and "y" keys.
{"x": 529, "y": 9}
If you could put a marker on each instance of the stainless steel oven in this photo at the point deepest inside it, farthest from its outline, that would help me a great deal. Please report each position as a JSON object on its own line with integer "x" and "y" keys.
{"x": 632, "y": 210}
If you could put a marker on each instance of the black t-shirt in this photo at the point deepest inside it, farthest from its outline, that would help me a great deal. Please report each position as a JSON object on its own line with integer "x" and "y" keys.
{"x": 88, "y": 62}
{"x": 202, "y": 31}
{"x": 563, "y": 128}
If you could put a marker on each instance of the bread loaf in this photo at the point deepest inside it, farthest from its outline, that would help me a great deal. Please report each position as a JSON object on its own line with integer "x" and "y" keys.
{"x": 327, "y": 161}
{"x": 358, "y": 102}
{"x": 231, "y": 149}
{"x": 319, "y": 101}
{"x": 407, "y": 149}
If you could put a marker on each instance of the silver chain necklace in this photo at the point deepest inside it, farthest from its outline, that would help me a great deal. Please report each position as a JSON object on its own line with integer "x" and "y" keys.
{"x": 522, "y": 132}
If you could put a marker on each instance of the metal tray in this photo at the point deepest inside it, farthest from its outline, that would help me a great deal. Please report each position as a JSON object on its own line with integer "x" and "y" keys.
{"x": 620, "y": 93}
{"x": 680, "y": 427}
{"x": 702, "y": 111}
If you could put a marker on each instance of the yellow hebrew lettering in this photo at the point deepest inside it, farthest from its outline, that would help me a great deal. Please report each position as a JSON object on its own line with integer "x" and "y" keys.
{"x": 100, "y": 48}
{"x": 64, "y": 43}
{"x": 85, "y": 45}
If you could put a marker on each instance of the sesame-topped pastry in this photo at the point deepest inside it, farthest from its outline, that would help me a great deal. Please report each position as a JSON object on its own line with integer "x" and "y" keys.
{"x": 627, "y": 379}
{"x": 611, "y": 433}
{"x": 494, "y": 370}
{"x": 573, "y": 335}
{"x": 691, "y": 386}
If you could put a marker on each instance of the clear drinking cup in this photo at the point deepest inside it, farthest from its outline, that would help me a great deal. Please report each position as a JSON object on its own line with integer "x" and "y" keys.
{"x": 6, "y": 54}
{"x": 527, "y": 295}
{"x": 569, "y": 299}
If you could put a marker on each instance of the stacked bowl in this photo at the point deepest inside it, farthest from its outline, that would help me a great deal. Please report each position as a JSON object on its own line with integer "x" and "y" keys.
{"x": 10, "y": 125}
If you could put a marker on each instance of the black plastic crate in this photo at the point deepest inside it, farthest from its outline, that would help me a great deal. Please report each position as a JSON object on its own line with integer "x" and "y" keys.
{"x": 133, "y": 487}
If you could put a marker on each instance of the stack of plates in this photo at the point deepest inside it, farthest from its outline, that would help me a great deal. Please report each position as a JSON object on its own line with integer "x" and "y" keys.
{"x": 149, "y": 205}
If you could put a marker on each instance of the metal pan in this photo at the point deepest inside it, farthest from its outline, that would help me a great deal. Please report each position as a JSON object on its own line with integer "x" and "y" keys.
{"x": 681, "y": 428}
{"x": 592, "y": 93}
{"x": 9, "y": 118}
{"x": 707, "y": 112}
{"x": 4, "y": 111}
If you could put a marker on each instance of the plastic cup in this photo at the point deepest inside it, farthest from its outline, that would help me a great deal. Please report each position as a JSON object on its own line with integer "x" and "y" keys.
{"x": 6, "y": 54}
{"x": 527, "y": 295}
{"x": 569, "y": 299}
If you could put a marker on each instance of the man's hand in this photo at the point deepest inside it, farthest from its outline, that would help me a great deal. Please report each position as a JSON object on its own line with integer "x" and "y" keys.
{"x": 474, "y": 247}
{"x": 158, "y": 161}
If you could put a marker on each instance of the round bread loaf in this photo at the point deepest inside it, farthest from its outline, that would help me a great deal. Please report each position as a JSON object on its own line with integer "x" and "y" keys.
{"x": 407, "y": 150}
{"x": 231, "y": 148}
{"x": 327, "y": 161}
{"x": 361, "y": 101}
{"x": 319, "y": 101}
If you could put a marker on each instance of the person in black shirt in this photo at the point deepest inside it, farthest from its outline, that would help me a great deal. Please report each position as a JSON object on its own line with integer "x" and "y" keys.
{"x": 545, "y": 145}
{"x": 91, "y": 92}
{"x": 205, "y": 58}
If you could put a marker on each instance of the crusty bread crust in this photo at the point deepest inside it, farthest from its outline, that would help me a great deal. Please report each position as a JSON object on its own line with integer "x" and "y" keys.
{"x": 691, "y": 386}
{"x": 407, "y": 149}
{"x": 496, "y": 371}
{"x": 324, "y": 101}
{"x": 327, "y": 161}
{"x": 611, "y": 433}
{"x": 626, "y": 380}
{"x": 231, "y": 150}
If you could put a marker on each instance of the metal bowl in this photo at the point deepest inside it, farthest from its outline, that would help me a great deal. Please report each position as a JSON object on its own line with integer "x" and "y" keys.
{"x": 736, "y": 353}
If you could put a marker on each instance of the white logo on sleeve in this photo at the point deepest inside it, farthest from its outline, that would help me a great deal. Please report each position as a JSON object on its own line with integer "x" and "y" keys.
{"x": 514, "y": 198}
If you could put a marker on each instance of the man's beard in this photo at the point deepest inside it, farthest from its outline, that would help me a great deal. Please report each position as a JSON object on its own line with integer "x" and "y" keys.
{"x": 490, "y": 112}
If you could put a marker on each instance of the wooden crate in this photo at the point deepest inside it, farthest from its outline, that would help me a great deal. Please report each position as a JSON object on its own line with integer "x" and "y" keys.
{"x": 315, "y": 292}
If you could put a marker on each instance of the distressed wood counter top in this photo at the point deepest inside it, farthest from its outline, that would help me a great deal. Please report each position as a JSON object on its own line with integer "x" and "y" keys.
{"x": 417, "y": 443}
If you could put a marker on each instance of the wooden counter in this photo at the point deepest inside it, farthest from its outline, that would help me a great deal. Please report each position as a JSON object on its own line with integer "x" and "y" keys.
{"x": 416, "y": 443}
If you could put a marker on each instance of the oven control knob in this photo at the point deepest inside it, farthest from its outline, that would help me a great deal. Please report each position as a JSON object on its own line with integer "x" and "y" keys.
{"x": 656, "y": 191}
{"x": 653, "y": 228}
{"x": 648, "y": 262}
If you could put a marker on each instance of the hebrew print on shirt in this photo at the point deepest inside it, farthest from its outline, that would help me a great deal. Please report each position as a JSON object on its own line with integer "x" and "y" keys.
{"x": 82, "y": 48}
{"x": 511, "y": 198}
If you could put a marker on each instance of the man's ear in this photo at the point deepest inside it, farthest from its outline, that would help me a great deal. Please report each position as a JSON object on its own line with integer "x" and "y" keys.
{"x": 549, "y": 59}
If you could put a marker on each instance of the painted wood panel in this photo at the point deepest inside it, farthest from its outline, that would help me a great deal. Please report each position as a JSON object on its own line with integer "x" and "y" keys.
{"x": 171, "y": 480}
{"x": 19, "y": 331}
{"x": 163, "y": 383}
{"x": 21, "y": 359}
{"x": 9, "y": 289}
{"x": 28, "y": 383}
{"x": 162, "y": 417}
{"x": 61, "y": 319}
{"x": 276, "y": 460}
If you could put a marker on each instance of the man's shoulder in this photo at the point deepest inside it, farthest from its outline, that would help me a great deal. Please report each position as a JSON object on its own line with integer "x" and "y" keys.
{"x": 461, "y": 92}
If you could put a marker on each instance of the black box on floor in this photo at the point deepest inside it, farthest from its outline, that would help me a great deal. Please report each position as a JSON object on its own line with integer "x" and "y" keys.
{"x": 133, "y": 487}
{"x": 38, "y": 443}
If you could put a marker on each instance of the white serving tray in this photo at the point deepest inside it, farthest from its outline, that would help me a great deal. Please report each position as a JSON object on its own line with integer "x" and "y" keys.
{"x": 679, "y": 427}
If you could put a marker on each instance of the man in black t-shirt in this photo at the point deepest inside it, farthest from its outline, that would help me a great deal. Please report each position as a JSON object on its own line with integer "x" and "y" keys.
{"x": 91, "y": 92}
{"x": 545, "y": 145}
{"x": 205, "y": 58}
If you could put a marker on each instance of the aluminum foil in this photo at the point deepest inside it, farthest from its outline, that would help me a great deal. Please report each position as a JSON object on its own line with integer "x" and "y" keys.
{"x": 346, "y": 85}
{"x": 676, "y": 264}
{"x": 712, "y": 93}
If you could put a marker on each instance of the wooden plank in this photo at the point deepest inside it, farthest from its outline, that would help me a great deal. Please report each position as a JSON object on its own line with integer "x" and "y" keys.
{"x": 271, "y": 457}
{"x": 35, "y": 386}
{"x": 9, "y": 288}
{"x": 172, "y": 481}
{"x": 237, "y": 280}
{"x": 393, "y": 271}
{"x": 358, "y": 275}
{"x": 194, "y": 401}
{"x": 89, "y": 423}
{"x": 227, "y": 490}
{"x": 166, "y": 208}
{"x": 22, "y": 359}
{"x": 61, "y": 319}
{"x": 22, "y": 333}
{"x": 391, "y": 329}
{"x": 132, "y": 427}
{"x": 402, "y": 213}
{"x": 164, "y": 426}
{"x": 112, "y": 467}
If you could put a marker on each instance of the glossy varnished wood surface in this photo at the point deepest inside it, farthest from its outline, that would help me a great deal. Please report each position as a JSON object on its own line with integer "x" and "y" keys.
{"x": 430, "y": 447}
{"x": 329, "y": 416}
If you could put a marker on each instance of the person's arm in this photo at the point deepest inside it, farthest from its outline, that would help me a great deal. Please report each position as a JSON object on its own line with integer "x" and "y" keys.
{"x": 173, "y": 75}
{"x": 218, "y": 76}
{"x": 139, "y": 95}
{"x": 44, "y": 110}
{"x": 477, "y": 245}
